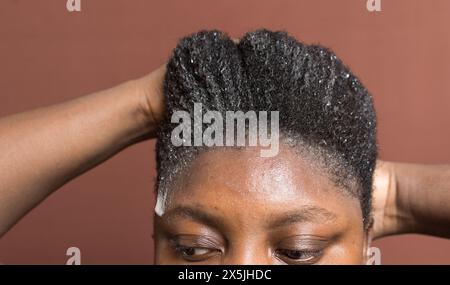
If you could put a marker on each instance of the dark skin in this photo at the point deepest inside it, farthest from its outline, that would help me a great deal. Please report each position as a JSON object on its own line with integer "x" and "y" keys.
{"x": 408, "y": 198}
{"x": 278, "y": 210}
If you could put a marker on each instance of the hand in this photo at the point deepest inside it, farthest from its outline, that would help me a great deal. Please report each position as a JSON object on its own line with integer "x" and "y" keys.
{"x": 76, "y": 136}
{"x": 151, "y": 93}
{"x": 384, "y": 200}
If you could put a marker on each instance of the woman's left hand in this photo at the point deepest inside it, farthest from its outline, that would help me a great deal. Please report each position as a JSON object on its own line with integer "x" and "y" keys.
{"x": 384, "y": 200}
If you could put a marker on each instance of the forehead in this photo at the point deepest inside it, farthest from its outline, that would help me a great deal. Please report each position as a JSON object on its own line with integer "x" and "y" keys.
{"x": 225, "y": 179}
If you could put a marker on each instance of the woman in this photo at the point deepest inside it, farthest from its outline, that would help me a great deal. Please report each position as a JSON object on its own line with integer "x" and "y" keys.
{"x": 309, "y": 204}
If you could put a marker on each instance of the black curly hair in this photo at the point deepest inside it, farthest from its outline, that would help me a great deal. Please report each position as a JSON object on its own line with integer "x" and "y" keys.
{"x": 323, "y": 108}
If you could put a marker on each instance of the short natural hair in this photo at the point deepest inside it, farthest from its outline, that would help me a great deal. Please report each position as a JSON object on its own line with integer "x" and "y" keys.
{"x": 321, "y": 103}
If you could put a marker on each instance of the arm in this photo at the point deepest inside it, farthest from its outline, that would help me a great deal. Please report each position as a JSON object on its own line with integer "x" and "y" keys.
{"x": 43, "y": 149}
{"x": 411, "y": 198}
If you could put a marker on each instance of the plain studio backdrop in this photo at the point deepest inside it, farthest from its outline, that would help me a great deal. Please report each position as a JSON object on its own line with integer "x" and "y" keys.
{"x": 49, "y": 55}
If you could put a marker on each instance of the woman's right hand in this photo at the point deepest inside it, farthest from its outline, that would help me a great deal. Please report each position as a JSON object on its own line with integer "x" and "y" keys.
{"x": 150, "y": 88}
{"x": 52, "y": 145}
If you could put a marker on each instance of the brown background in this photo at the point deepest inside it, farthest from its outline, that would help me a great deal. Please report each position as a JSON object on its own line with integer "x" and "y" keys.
{"x": 48, "y": 55}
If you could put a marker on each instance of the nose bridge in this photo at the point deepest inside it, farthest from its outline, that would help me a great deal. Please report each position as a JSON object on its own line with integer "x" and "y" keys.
{"x": 248, "y": 252}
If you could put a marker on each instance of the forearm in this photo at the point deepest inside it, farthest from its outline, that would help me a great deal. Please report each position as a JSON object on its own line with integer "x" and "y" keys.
{"x": 43, "y": 149}
{"x": 423, "y": 198}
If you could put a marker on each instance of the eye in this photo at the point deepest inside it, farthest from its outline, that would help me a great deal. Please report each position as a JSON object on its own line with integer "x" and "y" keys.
{"x": 196, "y": 247}
{"x": 196, "y": 253}
{"x": 298, "y": 256}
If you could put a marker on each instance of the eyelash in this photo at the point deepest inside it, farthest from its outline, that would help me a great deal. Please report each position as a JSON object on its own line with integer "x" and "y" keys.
{"x": 201, "y": 248}
{"x": 284, "y": 254}
{"x": 181, "y": 250}
{"x": 312, "y": 256}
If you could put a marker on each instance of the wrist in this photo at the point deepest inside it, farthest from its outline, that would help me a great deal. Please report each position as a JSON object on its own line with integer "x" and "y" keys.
{"x": 404, "y": 217}
{"x": 390, "y": 207}
{"x": 147, "y": 103}
{"x": 151, "y": 98}
{"x": 385, "y": 200}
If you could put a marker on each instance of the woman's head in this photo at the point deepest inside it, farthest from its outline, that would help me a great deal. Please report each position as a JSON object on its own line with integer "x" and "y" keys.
{"x": 310, "y": 202}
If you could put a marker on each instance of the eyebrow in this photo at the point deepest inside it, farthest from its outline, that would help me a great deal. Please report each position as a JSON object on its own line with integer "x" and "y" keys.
{"x": 196, "y": 214}
{"x": 307, "y": 213}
